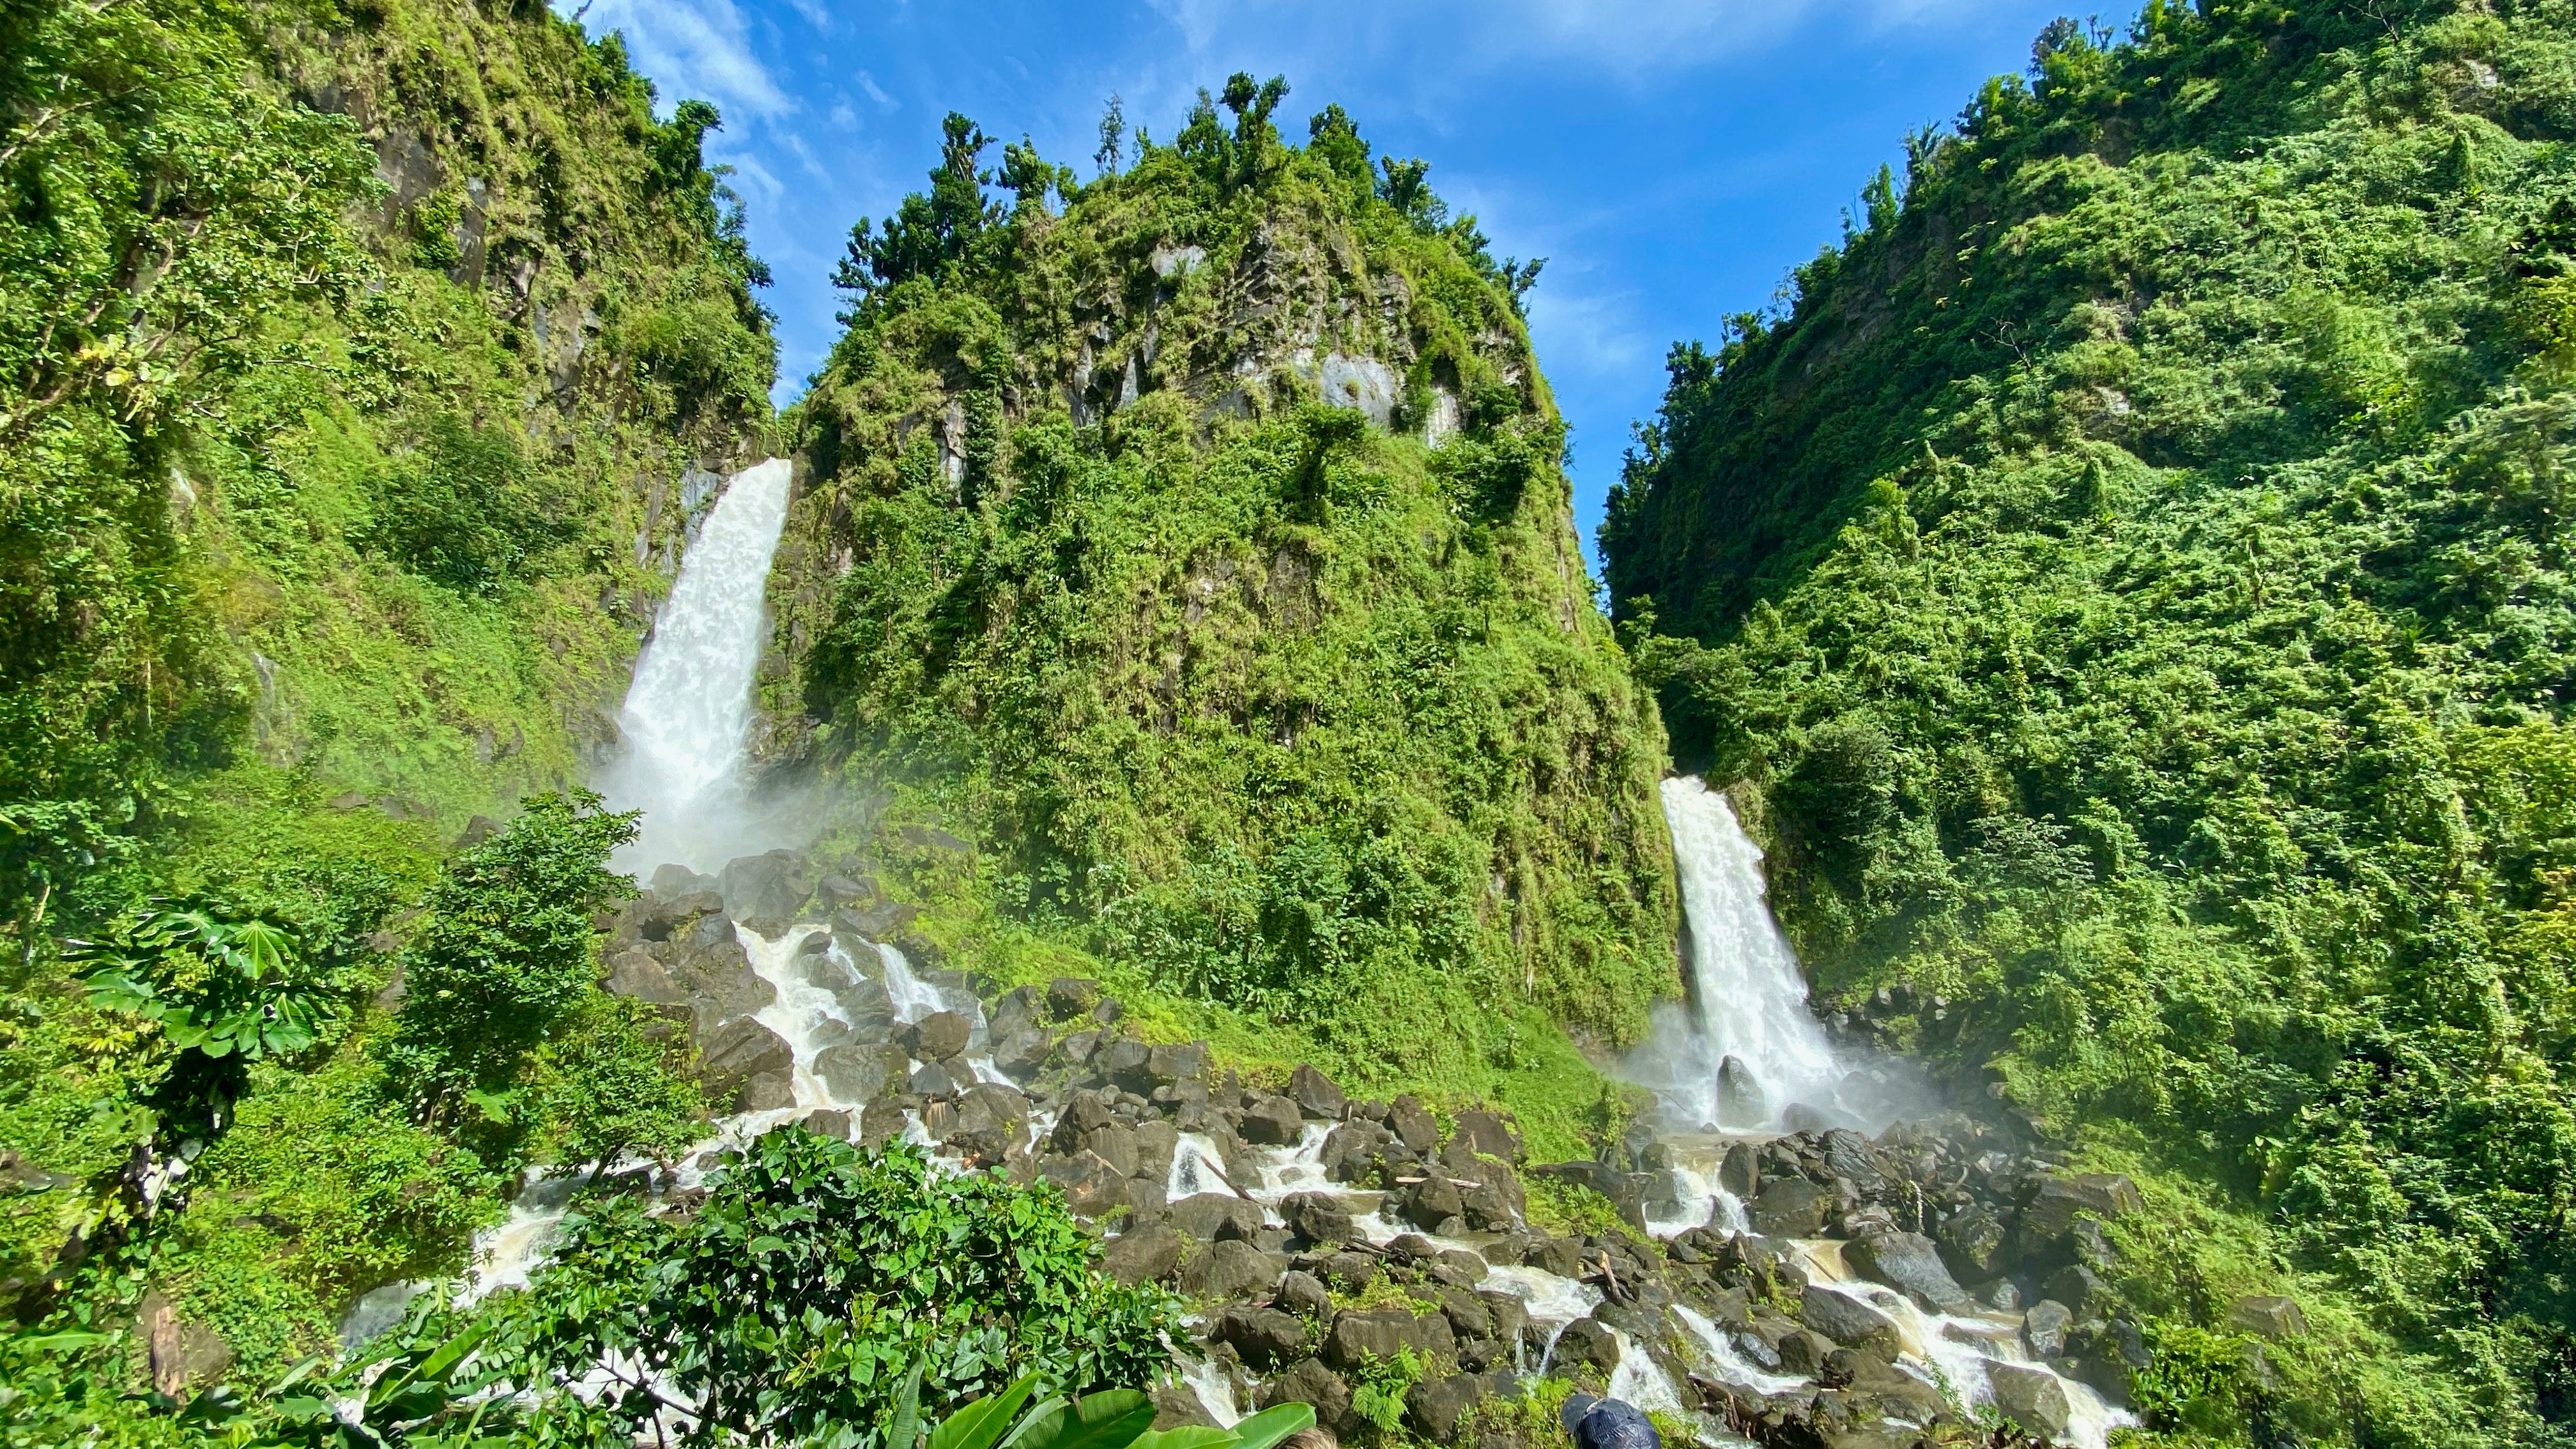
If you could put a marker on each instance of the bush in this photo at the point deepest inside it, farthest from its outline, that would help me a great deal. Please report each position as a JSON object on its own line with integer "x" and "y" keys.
{"x": 793, "y": 1305}
{"x": 464, "y": 509}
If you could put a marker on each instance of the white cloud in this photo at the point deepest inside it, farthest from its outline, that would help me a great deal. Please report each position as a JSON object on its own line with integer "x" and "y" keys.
{"x": 868, "y": 83}
{"x": 694, "y": 48}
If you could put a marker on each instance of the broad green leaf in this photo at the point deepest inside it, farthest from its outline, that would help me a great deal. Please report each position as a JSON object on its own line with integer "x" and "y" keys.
{"x": 1268, "y": 1427}
{"x": 907, "y": 1411}
{"x": 980, "y": 1423}
{"x": 1112, "y": 1419}
{"x": 1186, "y": 1436}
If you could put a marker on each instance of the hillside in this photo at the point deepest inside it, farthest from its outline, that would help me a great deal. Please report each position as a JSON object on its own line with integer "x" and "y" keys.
{"x": 1194, "y": 540}
{"x": 361, "y": 369}
{"x": 2126, "y": 580}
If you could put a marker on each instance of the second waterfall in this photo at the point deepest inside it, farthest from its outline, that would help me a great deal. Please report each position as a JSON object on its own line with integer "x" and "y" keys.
{"x": 688, "y": 713}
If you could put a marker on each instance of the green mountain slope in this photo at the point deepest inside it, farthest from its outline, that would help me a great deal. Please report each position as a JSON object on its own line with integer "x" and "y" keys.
{"x": 2129, "y": 578}
{"x": 1202, "y": 548}
{"x": 354, "y": 365}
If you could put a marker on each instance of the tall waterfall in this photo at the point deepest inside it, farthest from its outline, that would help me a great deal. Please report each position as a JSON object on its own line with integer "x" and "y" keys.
{"x": 688, "y": 710}
{"x": 1744, "y": 1049}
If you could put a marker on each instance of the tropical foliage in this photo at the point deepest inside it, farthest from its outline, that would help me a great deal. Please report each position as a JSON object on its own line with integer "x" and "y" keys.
{"x": 2126, "y": 577}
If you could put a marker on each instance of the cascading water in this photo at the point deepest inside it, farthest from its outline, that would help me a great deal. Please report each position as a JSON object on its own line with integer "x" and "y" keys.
{"x": 1743, "y": 1050}
{"x": 688, "y": 711}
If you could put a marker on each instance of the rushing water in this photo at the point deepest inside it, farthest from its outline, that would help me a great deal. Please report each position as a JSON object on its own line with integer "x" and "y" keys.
{"x": 688, "y": 710}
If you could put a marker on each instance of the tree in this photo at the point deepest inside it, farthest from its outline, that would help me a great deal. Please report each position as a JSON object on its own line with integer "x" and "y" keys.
{"x": 505, "y": 951}
{"x": 226, "y": 989}
{"x": 928, "y": 233}
{"x": 1113, "y": 137}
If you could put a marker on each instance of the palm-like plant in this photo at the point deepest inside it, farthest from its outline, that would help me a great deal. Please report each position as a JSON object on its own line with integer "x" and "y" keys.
{"x": 219, "y": 985}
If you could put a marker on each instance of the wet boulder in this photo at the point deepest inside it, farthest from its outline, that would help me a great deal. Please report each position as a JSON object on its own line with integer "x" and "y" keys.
{"x": 2034, "y": 1398}
{"x": 1486, "y": 1135}
{"x": 1848, "y": 1321}
{"x": 1910, "y": 1264}
{"x": 1304, "y": 1294}
{"x": 934, "y": 1079}
{"x": 860, "y": 1074}
{"x": 1090, "y": 1185}
{"x": 734, "y": 1053}
{"x": 768, "y": 1092}
{"x": 937, "y": 1037}
{"x": 1974, "y": 1243}
{"x": 1412, "y": 1124}
{"x": 636, "y": 975}
{"x": 1791, "y": 1208}
{"x": 1361, "y": 1337}
{"x": 1587, "y": 1343}
{"x": 826, "y": 1122}
{"x": 1023, "y": 1053}
{"x": 1741, "y": 1172}
{"x": 1436, "y": 1406}
{"x": 1318, "y": 1217}
{"x": 2046, "y": 1219}
{"x": 2043, "y": 1328}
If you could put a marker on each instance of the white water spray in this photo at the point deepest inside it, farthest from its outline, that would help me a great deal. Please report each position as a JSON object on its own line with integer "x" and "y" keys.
{"x": 688, "y": 711}
{"x": 1744, "y": 1047}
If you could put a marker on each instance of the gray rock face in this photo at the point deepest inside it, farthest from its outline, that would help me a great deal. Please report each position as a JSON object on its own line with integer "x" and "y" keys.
{"x": 1486, "y": 1135}
{"x": 768, "y": 1092}
{"x": 823, "y": 1122}
{"x": 1069, "y": 996}
{"x": 1022, "y": 1053}
{"x": 766, "y": 889}
{"x": 1375, "y": 1335}
{"x": 2032, "y": 1398}
{"x": 737, "y": 1051}
{"x": 1304, "y": 1293}
{"x": 861, "y": 1074}
{"x": 1791, "y": 1207}
{"x": 2053, "y": 1209}
{"x": 1317, "y": 1095}
{"x": 1849, "y": 1322}
{"x": 1974, "y": 1243}
{"x": 933, "y": 1079}
{"x": 1435, "y": 1407}
{"x": 1230, "y": 1268}
{"x": 1430, "y": 1202}
{"x": 1910, "y": 1264}
{"x": 1150, "y": 1253}
{"x": 1091, "y": 1186}
{"x": 1412, "y": 1124}
{"x": 2080, "y": 1289}
{"x": 1208, "y": 1216}
{"x": 636, "y": 975}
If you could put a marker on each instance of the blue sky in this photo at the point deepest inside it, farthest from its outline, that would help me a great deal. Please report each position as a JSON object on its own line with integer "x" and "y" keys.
{"x": 1671, "y": 160}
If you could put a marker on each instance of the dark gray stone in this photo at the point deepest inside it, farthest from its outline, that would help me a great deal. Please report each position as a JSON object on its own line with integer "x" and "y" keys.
{"x": 1849, "y": 1322}
{"x": 1069, "y": 996}
{"x": 1208, "y": 1216}
{"x": 1741, "y": 1172}
{"x": 1974, "y": 1243}
{"x": 938, "y": 1036}
{"x": 2043, "y": 1328}
{"x": 1318, "y": 1217}
{"x": 1265, "y": 1337}
{"x": 766, "y": 890}
{"x": 1910, "y": 1264}
{"x": 737, "y": 1051}
{"x": 861, "y": 1074}
{"x": 1304, "y": 1293}
{"x": 2080, "y": 1289}
{"x": 2277, "y": 1319}
{"x": 1412, "y": 1124}
{"x": 1586, "y": 1343}
{"x": 1791, "y": 1207}
{"x": 1091, "y": 1186}
{"x": 1310, "y": 1382}
{"x": 1272, "y": 1122}
{"x": 1436, "y": 1406}
{"x": 1149, "y": 1253}
{"x": 1317, "y": 1095}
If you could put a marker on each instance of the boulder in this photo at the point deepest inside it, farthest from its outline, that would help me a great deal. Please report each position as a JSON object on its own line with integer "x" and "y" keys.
{"x": 1208, "y": 1216}
{"x": 768, "y": 1092}
{"x": 1739, "y": 1093}
{"x": 1587, "y": 1342}
{"x": 674, "y": 881}
{"x": 2059, "y": 1201}
{"x": 1230, "y": 1268}
{"x": 177, "y": 1351}
{"x": 1317, "y": 1095}
{"x": 1910, "y": 1264}
{"x": 1362, "y": 1336}
{"x": 1849, "y": 1322}
{"x": 1018, "y": 1009}
{"x": 1430, "y": 1201}
{"x": 938, "y": 1036}
{"x": 2031, "y": 1397}
{"x": 1149, "y": 1253}
{"x": 1022, "y": 1054}
{"x": 1791, "y": 1207}
{"x": 1070, "y": 996}
{"x": 1412, "y": 1124}
{"x": 933, "y": 1079}
{"x": 1741, "y": 1173}
{"x": 637, "y": 976}
{"x": 1169, "y": 1065}
{"x": 766, "y": 890}
{"x": 2274, "y": 1318}
{"x": 881, "y": 1122}
{"x": 1487, "y": 1135}
{"x": 2080, "y": 1289}
{"x": 1310, "y": 1382}
{"x": 824, "y": 1122}
{"x": 1974, "y": 1244}
{"x": 2043, "y": 1328}
{"x": 1318, "y": 1217}
{"x": 1803, "y": 1351}
{"x": 1272, "y": 1122}
{"x": 1265, "y": 1337}
{"x": 1350, "y": 1272}
{"x": 737, "y": 1051}
{"x": 1849, "y": 1156}
{"x": 1091, "y": 1186}
{"x": 1304, "y": 1294}
{"x": 1436, "y": 1406}
{"x": 861, "y": 1074}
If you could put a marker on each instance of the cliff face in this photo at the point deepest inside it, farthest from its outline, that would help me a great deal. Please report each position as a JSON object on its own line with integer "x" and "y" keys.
{"x": 358, "y": 372}
{"x": 2130, "y": 573}
{"x": 1202, "y": 546}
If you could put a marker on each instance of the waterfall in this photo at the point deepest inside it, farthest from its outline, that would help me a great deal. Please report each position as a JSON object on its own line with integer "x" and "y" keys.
{"x": 688, "y": 710}
{"x": 1744, "y": 1049}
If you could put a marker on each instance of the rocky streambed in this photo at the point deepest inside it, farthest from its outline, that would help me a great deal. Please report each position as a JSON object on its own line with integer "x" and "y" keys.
{"x": 1815, "y": 1288}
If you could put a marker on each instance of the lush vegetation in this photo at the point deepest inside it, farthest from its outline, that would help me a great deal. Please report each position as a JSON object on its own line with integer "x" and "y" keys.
{"x": 351, "y": 362}
{"x": 1195, "y": 538}
{"x": 2127, "y": 581}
